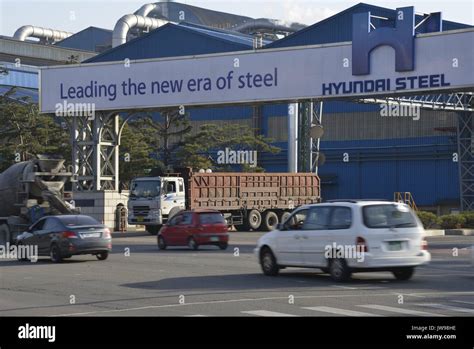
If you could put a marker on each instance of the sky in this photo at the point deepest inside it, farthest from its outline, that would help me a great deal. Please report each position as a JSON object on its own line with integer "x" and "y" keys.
{"x": 73, "y": 15}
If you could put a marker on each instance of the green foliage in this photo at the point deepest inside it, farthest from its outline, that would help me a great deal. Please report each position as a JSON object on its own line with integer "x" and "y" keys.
{"x": 138, "y": 142}
{"x": 452, "y": 221}
{"x": 469, "y": 217}
{"x": 170, "y": 132}
{"x": 26, "y": 132}
{"x": 429, "y": 219}
{"x": 196, "y": 149}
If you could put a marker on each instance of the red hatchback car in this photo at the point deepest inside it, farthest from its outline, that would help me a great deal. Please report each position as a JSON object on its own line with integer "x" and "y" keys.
{"x": 195, "y": 228}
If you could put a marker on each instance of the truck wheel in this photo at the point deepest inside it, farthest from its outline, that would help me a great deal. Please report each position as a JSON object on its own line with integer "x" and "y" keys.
{"x": 285, "y": 215}
{"x": 153, "y": 229}
{"x": 4, "y": 234}
{"x": 254, "y": 219}
{"x": 270, "y": 221}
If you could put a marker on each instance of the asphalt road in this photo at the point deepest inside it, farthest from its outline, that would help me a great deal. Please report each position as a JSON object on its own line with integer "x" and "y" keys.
{"x": 211, "y": 282}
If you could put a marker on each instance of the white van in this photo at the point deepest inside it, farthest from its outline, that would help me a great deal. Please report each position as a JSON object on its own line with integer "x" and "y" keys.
{"x": 346, "y": 236}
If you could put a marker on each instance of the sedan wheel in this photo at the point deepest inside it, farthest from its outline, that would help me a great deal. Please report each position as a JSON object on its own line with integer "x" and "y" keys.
{"x": 102, "y": 256}
{"x": 55, "y": 254}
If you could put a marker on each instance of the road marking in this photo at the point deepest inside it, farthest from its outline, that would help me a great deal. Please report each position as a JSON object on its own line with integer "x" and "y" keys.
{"x": 448, "y": 307}
{"x": 465, "y": 302}
{"x": 398, "y": 310}
{"x": 266, "y": 313}
{"x": 339, "y": 311}
{"x": 345, "y": 287}
{"x": 391, "y": 294}
{"x": 196, "y": 315}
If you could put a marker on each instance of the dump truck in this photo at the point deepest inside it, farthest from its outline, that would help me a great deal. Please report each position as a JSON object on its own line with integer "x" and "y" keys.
{"x": 249, "y": 201}
{"x": 30, "y": 190}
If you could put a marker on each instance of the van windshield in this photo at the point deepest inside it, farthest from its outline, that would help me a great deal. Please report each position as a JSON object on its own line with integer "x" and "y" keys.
{"x": 146, "y": 189}
{"x": 389, "y": 216}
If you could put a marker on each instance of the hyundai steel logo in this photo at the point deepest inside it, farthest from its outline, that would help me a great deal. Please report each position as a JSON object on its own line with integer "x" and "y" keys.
{"x": 401, "y": 39}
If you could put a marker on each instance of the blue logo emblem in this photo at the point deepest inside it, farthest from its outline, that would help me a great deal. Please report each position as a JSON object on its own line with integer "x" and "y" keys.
{"x": 401, "y": 39}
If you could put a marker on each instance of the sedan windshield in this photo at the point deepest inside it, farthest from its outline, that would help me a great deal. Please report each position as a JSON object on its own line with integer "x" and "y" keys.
{"x": 389, "y": 216}
{"x": 145, "y": 189}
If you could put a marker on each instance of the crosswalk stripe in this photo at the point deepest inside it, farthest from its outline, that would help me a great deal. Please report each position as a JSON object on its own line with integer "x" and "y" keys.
{"x": 398, "y": 310}
{"x": 448, "y": 307}
{"x": 265, "y": 313}
{"x": 339, "y": 311}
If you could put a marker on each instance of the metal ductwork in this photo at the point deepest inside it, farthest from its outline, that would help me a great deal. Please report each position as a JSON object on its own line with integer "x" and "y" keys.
{"x": 45, "y": 34}
{"x": 265, "y": 25}
{"x": 145, "y": 10}
{"x": 127, "y": 22}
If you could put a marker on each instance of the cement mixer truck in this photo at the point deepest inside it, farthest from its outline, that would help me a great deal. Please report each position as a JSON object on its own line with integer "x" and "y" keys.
{"x": 30, "y": 190}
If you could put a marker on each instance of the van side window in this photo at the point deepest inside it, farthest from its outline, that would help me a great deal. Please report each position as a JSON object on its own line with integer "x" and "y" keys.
{"x": 318, "y": 218}
{"x": 296, "y": 220}
{"x": 341, "y": 218}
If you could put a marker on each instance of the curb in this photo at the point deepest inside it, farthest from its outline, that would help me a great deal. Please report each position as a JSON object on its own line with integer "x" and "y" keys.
{"x": 435, "y": 232}
{"x": 462, "y": 232}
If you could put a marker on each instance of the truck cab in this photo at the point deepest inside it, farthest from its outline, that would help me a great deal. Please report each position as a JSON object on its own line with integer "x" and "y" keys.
{"x": 153, "y": 200}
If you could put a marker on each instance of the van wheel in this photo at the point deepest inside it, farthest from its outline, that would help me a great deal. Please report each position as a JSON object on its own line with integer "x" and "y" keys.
{"x": 254, "y": 219}
{"x": 268, "y": 263}
{"x": 339, "y": 270}
{"x": 404, "y": 273}
{"x": 161, "y": 243}
{"x": 192, "y": 244}
{"x": 55, "y": 254}
{"x": 270, "y": 221}
{"x": 102, "y": 256}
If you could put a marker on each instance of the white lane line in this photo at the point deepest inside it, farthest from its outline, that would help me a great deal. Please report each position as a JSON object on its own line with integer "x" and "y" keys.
{"x": 196, "y": 315}
{"x": 266, "y": 313}
{"x": 339, "y": 311}
{"x": 398, "y": 310}
{"x": 464, "y": 293}
{"x": 447, "y": 307}
{"x": 464, "y": 302}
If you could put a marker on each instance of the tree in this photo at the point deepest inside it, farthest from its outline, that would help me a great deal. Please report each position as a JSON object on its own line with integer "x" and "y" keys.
{"x": 171, "y": 131}
{"x": 138, "y": 150}
{"x": 24, "y": 132}
{"x": 197, "y": 150}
